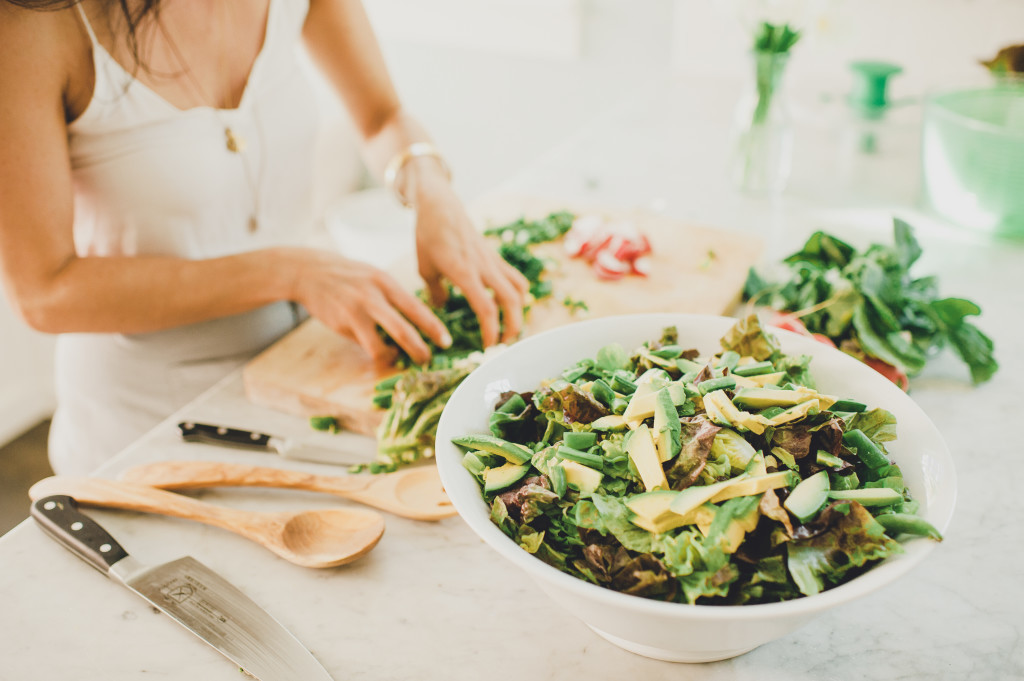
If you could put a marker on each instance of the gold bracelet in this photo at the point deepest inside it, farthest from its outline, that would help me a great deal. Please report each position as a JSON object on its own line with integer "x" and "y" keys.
{"x": 398, "y": 161}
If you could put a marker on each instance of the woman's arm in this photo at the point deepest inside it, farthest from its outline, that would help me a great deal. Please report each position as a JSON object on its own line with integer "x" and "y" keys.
{"x": 341, "y": 40}
{"x": 56, "y": 291}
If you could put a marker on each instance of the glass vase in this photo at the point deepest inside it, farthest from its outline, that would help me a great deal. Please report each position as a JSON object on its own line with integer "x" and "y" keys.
{"x": 763, "y": 130}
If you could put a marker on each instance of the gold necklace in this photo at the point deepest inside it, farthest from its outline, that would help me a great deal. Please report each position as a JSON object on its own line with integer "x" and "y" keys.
{"x": 234, "y": 142}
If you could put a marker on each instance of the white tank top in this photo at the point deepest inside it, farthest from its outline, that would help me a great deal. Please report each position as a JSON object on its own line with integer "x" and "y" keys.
{"x": 152, "y": 179}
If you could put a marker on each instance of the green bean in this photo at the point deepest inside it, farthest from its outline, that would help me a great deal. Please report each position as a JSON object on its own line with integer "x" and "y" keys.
{"x": 668, "y": 351}
{"x": 754, "y": 369}
{"x": 602, "y": 392}
{"x": 904, "y": 523}
{"x": 729, "y": 359}
{"x": 579, "y": 441}
{"x": 867, "y": 451}
{"x": 585, "y": 458}
{"x": 849, "y": 405}
{"x": 558, "y": 481}
{"x": 623, "y": 384}
{"x": 724, "y": 383}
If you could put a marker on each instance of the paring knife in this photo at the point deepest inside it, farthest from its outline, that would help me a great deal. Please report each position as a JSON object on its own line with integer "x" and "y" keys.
{"x": 286, "y": 447}
{"x": 190, "y": 593}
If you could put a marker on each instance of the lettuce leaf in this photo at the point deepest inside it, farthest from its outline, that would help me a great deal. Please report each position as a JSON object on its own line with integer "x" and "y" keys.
{"x": 697, "y": 435}
{"x": 529, "y": 500}
{"x": 748, "y": 338}
{"x": 645, "y": 575}
{"x": 612, "y": 357}
{"x": 615, "y": 517}
{"x": 878, "y": 424}
{"x": 846, "y": 537}
{"x": 575, "y": 404}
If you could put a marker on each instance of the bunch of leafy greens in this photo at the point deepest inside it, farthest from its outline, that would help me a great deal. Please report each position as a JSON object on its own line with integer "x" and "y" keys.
{"x": 871, "y": 305}
{"x": 415, "y": 398}
{"x": 745, "y": 549}
{"x": 460, "y": 319}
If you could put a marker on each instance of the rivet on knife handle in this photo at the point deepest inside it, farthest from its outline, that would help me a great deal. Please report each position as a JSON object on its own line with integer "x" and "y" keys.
{"x": 203, "y": 432}
{"x": 59, "y": 517}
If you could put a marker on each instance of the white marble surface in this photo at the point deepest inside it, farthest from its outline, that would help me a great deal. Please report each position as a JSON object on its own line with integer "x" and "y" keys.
{"x": 432, "y": 602}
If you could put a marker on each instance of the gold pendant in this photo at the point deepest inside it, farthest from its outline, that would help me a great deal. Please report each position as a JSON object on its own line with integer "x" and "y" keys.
{"x": 235, "y": 143}
{"x": 254, "y": 224}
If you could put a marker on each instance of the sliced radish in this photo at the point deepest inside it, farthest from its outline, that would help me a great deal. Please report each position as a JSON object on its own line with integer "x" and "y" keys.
{"x": 574, "y": 244}
{"x": 614, "y": 249}
{"x": 642, "y": 266}
{"x": 607, "y": 262}
{"x": 595, "y": 246}
{"x": 628, "y": 250}
{"x": 645, "y": 245}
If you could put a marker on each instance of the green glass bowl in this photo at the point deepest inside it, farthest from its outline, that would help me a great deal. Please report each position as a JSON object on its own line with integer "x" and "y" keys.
{"x": 973, "y": 158}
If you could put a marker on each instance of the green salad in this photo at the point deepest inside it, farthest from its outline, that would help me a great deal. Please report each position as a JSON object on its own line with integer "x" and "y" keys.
{"x": 720, "y": 479}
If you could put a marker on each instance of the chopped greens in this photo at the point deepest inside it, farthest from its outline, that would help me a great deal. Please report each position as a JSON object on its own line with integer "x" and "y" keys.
{"x": 414, "y": 398}
{"x": 524, "y": 232}
{"x": 870, "y": 305}
{"x": 641, "y": 480}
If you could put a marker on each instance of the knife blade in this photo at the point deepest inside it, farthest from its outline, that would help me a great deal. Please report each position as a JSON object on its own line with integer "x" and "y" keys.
{"x": 286, "y": 447}
{"x": 190, "y": 593}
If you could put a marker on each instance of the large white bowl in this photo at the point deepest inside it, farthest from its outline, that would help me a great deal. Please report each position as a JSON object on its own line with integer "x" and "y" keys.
{"x": 673, "y": 631}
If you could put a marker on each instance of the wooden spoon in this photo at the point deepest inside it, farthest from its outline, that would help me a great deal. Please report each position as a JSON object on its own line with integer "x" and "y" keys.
{"x": 319, "y": 539}
{"x": 411, "y": 493}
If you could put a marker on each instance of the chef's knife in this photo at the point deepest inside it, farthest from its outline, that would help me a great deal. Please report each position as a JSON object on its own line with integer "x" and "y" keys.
{"x": 190, "y": 593}
{"x": 286, "y": 447}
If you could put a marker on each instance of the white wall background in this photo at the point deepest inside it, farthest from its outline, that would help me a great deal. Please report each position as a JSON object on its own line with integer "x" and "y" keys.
{"x": 501, "y": 82}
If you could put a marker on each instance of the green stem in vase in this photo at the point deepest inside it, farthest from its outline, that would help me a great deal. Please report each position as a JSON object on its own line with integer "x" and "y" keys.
{"x": 771, "y": 50}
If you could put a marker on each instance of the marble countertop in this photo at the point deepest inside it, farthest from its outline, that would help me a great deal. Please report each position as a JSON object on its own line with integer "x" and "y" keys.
{"x": 432, "y": 602}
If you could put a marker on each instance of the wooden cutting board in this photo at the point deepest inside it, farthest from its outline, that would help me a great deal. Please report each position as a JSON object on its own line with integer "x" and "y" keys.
{"x": 313, "y": 371}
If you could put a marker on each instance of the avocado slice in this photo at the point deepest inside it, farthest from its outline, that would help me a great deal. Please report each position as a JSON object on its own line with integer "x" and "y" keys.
{"x": 496, "y": 479}
{"x": 653, "y": 506}
{"x": 755, "y": 485}
{"x": 693, "y": 497}
{"x": 872, "y": 496}
{"x": 644, "y": 456}
{"x": 762, "y": 398}
{"x": 723, "y": 406}
{"x": 757, "y": 466}
{"x": 796, "y": 413}
{"x": 584, "y": 479}
{"x": 641, "y": 406}
{"x": 670, "y": 521}
{"x": 808, "y": 497}
{"x": 667, "y": 427}
{"x": 510, "y": 451}
{"x": 736, "y": 530}
{"x": 610, "y": 422}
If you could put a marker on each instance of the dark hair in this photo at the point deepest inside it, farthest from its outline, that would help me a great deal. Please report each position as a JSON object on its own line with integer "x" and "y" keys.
{"x": 133, "y": 20}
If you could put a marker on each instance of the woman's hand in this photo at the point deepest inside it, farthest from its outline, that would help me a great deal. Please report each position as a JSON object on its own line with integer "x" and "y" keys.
{"x": 353, "y": 299}
{"x": 449, "y": 247}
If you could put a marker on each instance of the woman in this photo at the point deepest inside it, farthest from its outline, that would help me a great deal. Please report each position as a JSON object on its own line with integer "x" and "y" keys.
{"x": 154, "y": 185}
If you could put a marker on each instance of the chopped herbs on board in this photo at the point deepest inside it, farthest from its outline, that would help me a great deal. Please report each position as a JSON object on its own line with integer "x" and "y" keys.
{"x": 719, "y": 479}
{"x": 872, "y": 306}
{"x": 414, "y": 399}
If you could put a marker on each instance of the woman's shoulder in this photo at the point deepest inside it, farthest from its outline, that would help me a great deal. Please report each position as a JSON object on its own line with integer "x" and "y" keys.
{"x": 46, "y": 50}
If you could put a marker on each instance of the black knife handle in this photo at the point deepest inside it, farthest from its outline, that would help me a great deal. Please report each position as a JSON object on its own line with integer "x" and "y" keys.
{"x": 219, "y": 435}
{"x": 59, "y": 517}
